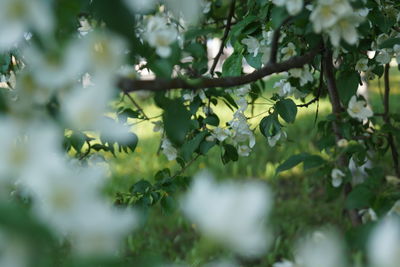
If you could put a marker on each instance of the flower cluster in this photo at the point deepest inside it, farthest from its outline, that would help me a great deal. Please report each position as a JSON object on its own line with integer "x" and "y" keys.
{"x": 160, "y": 34}
{"x": 336, "y": 18}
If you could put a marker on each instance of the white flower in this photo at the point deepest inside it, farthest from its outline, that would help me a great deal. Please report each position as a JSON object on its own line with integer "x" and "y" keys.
{"x": 220, "y": 134}
{"x": 384, "y": 244}
{"x": 293, "y": 6}
{"x": 337, "y": 177}
{"x": 362, "y": 64}
{"x": 358, "y": 109}
{"x": 395, "y": 210}
{"x": 272, "y": 140}
{"x": 168, "y": 149}
{"x": 383, "y": 57}
{"x": 230, "y": 213}
{"x": 206, "y": 5}
{"x": 266, "y": 54}
{"x": 253, "y": 45}
{"x": 140, "y": 6}
{"x": 327, "y": 13}
{"x": 303, "y": 73}
{"x": 320, "y": 249}
{"x": 244, "y": 151}
{"x": 345, "y": 28}
{"x": 289, "y": 51}
{"x": 19, "y": 16}
{"x": 342, "y": 143}
{"x": 284, "y": 88}
{"x": 160, "y": 35}
{"x": 284, "y": 263}
{"x": 368, "y": 215}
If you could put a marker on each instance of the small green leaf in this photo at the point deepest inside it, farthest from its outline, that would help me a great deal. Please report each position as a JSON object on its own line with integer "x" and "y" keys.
{"x": 360, "y": 197}
{"x": 347, "y": 84}
{"x": 269, "y": 125}
{"x": 176, "y": 121}
{"x": 287, "y": 109}
{"x": 191, "y": 146}
{"x": 292, "y": 162}
{"x": 212, "y": 120}
{"x": 232, "y": 65}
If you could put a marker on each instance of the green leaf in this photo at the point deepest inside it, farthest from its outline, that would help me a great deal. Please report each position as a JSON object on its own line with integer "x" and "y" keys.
{"x": 254, "y": 62}
{"x": 287, "y": 109}
{"x": 212, "y": 120}
{"x": 238, "y": 27}
{"x": 232, "y": 65}
{"x": 278, "y": 15}
{"x": 230, "y": 154}
{"x": 360, "y": 197}
{"x": 347, "y": 84}
{"x": 191, "y": 146}
{"x": 269, "y": 125}
{"x": 292, "y": 162}
{"x": 390, "y": 43}
{"x": 205, "y": 146}
{"x": 313, "y": 161}
{"x": 140, "y": 187}
{"x": 176, "y": 121}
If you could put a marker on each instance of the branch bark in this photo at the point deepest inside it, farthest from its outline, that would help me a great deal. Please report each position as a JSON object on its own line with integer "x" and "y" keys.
{"x": 336, "y": 110}
{"x": 224, "y": 37}
{"x": 160, "y": 84}
{"x": 386, "y": 118}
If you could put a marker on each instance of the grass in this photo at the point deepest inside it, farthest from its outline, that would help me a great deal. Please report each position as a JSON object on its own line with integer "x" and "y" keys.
{"x": 302, "y": 202}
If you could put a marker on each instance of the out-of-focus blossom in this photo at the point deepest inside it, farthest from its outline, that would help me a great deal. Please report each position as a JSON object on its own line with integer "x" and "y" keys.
{"x": 358, "y": 109}
{"x": 253, "y": 45}
{"x": 85, "y": 26}
{"x": 368, "y": 215}
{"x": 272, "y": 140}
{"x": 19, "y": 16}
{"x": 160, "y": 35}
{"x": 231, "y": 213}
{"x": 284, "y": 263}
{"x": 168, "y": 149}
{"x": 293, "y": 6}
{"x": 220, "y": 134}
{"x": 342, "y": 143}
{"x": 320, "y": 249}
{"x": 384, "y": 244}
{"x": 303, "y": 74}
{"x": 140, "y": 6}
{"x": 362, "y": 64}
{"x": 383, "y": 57}
{"x": 288, "y": 51}
{"x": 244, "y": 150}
{"x": 337, "y": 177}
{"x": 395, "y": 210}
{"x": 285, "y": 89}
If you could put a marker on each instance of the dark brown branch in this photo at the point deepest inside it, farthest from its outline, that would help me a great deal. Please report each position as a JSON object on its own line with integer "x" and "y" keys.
{"x": 275, "y": 41}
{"x": 321, "y": 84}
{"x": 159, "y": 84}
{"x": 224, "y": 37}
{"x": 336, "y": 110}
{"x": 386, "y": 117}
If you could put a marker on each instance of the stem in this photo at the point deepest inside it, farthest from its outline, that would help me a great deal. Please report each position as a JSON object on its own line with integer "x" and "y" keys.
{"x": 137, "y": 106}
{"x": 386, "y": 118}
{"x": 336, "y": 110}
{"x": 224, "y": 37}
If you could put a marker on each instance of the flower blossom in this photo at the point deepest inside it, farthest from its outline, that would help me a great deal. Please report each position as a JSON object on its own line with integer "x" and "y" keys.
{"x": 358, "y": 109}
{"x": 160, "y": 35}
{"x": 232, "y": 214}
{"x": 337, "y": 177}
{"x": 168, "y": 149}
{"x": 293, "y": 6}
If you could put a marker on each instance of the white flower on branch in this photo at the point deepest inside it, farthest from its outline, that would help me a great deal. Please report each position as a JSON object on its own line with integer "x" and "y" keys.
{"x": 168, "y": 149}
{"x": 337, "y": 177}
{"x": 233, "y": 214}
{"x": 358, "y": 109}
{"x": 160, "y": 35}
{"x": 362, "y": 64}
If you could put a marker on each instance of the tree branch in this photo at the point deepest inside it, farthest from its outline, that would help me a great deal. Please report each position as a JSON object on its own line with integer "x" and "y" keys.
{"x": 160, "y": 84}
{"x": 336, "y": 110}
{"x": 224, "y": 37}
{"x": 386, "y": 118}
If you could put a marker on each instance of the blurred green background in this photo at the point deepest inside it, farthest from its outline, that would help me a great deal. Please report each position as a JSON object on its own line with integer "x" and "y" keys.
{"x": 302, "y": 200}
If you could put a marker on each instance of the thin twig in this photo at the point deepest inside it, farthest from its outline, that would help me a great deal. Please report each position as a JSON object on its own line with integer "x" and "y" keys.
{"x": 386, "y": 117}
{"x": 136, "y": 105}
{"x": 184, "y": 168}
{"x": 224, "y": 37}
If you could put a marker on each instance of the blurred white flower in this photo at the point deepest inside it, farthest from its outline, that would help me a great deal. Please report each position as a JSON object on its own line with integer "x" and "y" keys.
{"x": 284, "y": 263}
{"x": 303, "y": 74}
{"x": 293, "y": 6}
{"x": 233, "y": 214}
{"x": 160, "y": 35}
{"x": 395, "y": 210}
{"x": 285, "y": 89}
{"x": 358, "y": 109}
{"x": 337, "y": 177}
{"x": 362, "y": 64}
{"x": 253, "y": 45}
{"x": 244, "y": 150}
{"x": 272, "y": 140}
{"x": 189, "y": 11}
{"x": 19, "y": 16}
{"x": 220, "y": 134}
{"x": 168, "y": 149}
{"x": 266, "y": 54}
{"x": 342, "y": 143}
{"x": 140, "y": 6}
{"x": 384, "y": 244}
{"x": 368, "y": 215}
{"x": 288, "y": 51}
{"x": 320, "y": 249}
{"x": 383, "y": 57}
